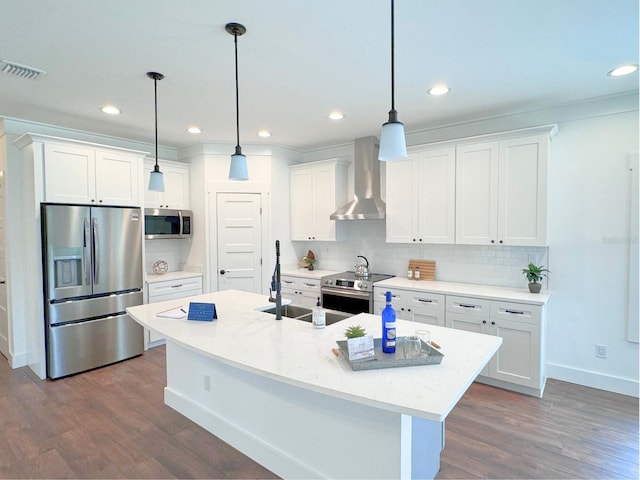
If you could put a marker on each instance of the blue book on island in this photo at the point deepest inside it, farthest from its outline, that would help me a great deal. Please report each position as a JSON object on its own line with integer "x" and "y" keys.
{"x": 204, "y": 312}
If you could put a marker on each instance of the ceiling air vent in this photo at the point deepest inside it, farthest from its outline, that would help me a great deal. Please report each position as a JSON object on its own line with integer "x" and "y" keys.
{"x": 22, "y": 71}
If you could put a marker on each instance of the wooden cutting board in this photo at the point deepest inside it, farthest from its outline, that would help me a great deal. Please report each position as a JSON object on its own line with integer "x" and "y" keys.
{"x": 427, "y": 268}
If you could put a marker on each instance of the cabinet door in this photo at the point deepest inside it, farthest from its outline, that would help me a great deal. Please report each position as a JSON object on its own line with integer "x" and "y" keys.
{"x": 69, "y": 174}
{"x": 522, "y": 199}
{"x": 324, "y": 202}
{"x": 301, "y": 204}
{"x": 518, "y": 359}
{"x": 469, "y": 323}
{"x": 401, "y": 200}
{"x": 477, "y": 194}
{"x": 117, "y": 177}
{"x": 436, "y": 177}
{"x": 176, "y": 187}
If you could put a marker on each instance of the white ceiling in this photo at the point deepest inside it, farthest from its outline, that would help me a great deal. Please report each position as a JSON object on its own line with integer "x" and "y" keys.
{"x": 301, "y": 59}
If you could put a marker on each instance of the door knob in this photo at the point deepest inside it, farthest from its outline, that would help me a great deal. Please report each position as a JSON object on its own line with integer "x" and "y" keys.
{"x": 222, "y": 272}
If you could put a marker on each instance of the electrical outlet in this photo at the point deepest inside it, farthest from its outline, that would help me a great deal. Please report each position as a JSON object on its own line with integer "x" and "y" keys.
{"x": 207, "y": 383}
{"x": 601, "y": 351}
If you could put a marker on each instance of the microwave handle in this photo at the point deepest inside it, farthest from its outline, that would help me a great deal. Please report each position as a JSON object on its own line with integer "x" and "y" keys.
{"x": 181, "y": 223}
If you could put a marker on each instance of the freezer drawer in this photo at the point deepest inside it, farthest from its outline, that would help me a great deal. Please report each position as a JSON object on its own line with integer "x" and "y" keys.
{"x": 77, "y": 347}
{"x": 89, "y": 308}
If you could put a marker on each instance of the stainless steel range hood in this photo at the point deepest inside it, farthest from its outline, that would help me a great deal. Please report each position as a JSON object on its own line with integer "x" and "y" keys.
{"x": 367, "y": 204}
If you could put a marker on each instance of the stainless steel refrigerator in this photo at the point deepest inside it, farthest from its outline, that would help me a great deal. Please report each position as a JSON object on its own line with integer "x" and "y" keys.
{"x": 92, "y": 265}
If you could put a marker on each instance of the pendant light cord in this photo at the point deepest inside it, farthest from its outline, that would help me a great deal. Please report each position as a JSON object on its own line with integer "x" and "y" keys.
{"x": 393, "y": 69}
{"x": 155, "y": 94}
{"x": 235, "y": 41}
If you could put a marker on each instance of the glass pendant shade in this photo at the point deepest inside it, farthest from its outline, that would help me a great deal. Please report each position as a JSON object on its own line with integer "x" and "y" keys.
{"x": 238, "y": 169}
{"x": 393, "y": 146}
{"x": 156, "y": 180}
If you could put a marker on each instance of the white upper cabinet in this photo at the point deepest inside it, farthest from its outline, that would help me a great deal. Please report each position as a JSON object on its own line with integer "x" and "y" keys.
{"x": 176, "y": 185}
{"x": 317, "y": 190}
{"x": 501, "y": 192}
{"x": 420, "y": 197}
{"x": 477, "y": 193}
{"x": 84, "y": 174}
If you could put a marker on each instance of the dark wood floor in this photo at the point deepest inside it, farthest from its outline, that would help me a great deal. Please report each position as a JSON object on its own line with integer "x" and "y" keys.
{"x": 112, "y": 423}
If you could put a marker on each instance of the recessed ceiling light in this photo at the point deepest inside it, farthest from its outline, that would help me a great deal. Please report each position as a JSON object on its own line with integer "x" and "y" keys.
{"x": 440, "y": 89}
{"x": 622, "y": 70}
{"x": 336, "y": 115}
{"x": 264, "y": 133}
{"x": 110, "y": 109}
{"x": 194, "y": 129}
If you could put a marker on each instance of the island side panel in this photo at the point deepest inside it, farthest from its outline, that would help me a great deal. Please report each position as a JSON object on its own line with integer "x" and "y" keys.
{"x": 295, "y": 432}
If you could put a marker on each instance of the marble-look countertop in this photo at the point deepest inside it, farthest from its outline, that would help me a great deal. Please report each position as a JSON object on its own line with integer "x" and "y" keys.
{"x": 468, "y": 290}
{"x": 304, "y": 272}
{"x": 295, "y": 353}
{"x": 154, "y": 278}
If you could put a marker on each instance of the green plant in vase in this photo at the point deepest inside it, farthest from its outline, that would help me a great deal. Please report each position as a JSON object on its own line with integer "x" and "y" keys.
{"x": 535, "y": 274}
{"x": 355, "y": 331}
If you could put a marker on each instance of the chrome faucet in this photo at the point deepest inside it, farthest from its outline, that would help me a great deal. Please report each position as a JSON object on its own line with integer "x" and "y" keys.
{"x": 276, "y": 286}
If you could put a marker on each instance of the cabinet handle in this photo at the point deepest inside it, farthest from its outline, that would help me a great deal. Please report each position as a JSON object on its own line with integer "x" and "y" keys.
{"x": 2, "y": 282}
{"x": 176, "y": 286}
{"x": 464, "y": 305}
{"x": 310, "y": 284}
{"x": 424, "y": 300}
{"x": 484, "y": 321}
{"x": 514, "y": 312}
{"x": 222, "y": 272}
{"x": 493, "y": 323}
{"x": 500, "y": 241}
{"x": 287, "y": 281}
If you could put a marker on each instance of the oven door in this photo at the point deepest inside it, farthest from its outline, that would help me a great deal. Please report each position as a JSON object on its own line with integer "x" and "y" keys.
{"x": 349, "y": 301}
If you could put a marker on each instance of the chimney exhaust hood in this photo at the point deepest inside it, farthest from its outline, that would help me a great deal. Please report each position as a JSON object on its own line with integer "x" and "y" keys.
{"x": 367, "y": 204}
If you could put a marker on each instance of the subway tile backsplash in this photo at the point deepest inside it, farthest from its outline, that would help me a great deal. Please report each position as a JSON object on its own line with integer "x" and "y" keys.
{"x": 479, "y": 264}
{"x": 172, "y": 251}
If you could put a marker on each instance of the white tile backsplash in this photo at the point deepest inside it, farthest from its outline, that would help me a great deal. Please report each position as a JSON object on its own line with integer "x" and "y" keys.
{"x": 172, "y": 251}
{"x": 480, "y": 264}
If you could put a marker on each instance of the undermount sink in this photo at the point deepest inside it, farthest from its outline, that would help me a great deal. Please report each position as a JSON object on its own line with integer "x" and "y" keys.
{"x": 306, "y": 314}
{"x": 290, "y": 311}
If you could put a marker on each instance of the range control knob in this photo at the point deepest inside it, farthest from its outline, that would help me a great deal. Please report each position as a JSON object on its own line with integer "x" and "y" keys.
{"x": 364, "y": 285}
{"x": 359, "y": 285}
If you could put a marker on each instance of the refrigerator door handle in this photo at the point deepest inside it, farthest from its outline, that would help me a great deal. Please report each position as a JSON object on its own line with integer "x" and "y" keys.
{"x": 86, "y": 254}
{"x": 96, "y": 252}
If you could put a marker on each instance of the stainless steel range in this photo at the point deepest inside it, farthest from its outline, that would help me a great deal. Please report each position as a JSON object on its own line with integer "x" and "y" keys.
{"x": 348, "y": 292}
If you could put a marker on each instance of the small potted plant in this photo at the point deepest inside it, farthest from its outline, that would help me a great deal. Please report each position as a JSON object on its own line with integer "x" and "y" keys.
{"x": 535, "y": 273}
{"x": 359, "y": 344}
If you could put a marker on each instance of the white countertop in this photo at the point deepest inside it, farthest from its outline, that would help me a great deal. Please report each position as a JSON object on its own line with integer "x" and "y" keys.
{"x": 153, "y": 278}
{"x": 294, "y": 352}
{"x": 303, "y": 272}
{"x": 467, "y": 290}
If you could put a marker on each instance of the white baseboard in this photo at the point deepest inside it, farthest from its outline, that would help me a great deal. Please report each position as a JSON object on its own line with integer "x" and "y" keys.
{"x": 17, "y": 361}
{"x": 625, "y": 386}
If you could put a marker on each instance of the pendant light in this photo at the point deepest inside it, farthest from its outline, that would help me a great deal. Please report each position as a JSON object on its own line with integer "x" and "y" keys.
{"x": 156, "y": 181}
{"x": 238, "y": 169}
{"x": 393, "y": 145}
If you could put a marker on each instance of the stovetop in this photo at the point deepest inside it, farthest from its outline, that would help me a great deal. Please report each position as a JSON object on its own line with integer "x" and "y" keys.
{"x": 351, "y": 281}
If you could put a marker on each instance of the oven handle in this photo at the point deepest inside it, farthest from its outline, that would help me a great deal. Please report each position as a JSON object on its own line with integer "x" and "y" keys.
{"x": 346, "y": 293}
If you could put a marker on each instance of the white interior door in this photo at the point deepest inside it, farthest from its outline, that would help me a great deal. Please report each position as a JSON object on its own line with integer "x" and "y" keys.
{"x": 239, "y": 241}
{"x": 4, "y": 319}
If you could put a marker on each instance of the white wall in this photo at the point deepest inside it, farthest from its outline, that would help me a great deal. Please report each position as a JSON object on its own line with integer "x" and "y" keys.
{"x": 589, "y": 255}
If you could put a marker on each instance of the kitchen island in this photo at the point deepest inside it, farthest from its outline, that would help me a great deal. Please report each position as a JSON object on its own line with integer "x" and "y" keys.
{"x": 275, "y": 390}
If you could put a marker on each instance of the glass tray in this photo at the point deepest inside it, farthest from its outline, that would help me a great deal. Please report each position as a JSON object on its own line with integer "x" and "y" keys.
{"x": 429, "y": 356}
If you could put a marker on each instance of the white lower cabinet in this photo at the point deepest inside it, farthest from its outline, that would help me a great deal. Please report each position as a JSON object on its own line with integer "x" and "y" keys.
{"x": 519, "y": 363}
{"x": 303, "y": 291}
{"x": 170, "y": 290}
{"x": 414, "y": 305}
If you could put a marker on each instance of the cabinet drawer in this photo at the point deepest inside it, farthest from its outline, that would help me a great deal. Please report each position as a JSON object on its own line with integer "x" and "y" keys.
{"x": 398, "y": 297}
{"x": 289, "y": 282}
{"x": 519, "y": 312}
{"x": 170, "y": 287}
{"x": 425, "y": 301}
{"x": 312, "y": 285}
{"x": 478, "y": 307}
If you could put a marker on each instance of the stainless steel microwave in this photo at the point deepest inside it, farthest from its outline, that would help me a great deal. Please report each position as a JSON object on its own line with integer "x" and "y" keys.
{"x": 165, "y": 223}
